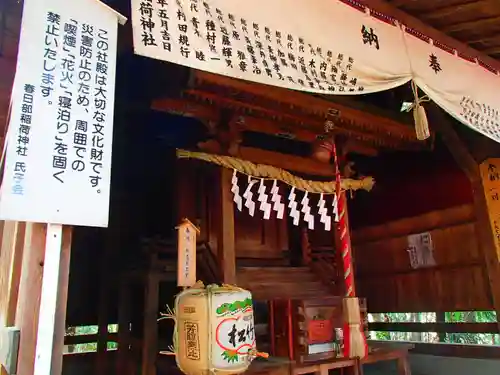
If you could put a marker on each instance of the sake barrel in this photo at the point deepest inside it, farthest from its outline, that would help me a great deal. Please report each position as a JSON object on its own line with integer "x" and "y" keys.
{"x": 215, "y": 330}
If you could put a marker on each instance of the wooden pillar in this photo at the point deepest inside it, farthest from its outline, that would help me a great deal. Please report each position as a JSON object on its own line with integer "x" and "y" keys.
{"x": 226, "y": 243}
{"x": 102, "y": 318}
{"x": 151, "y": 309}
{"x": 62, "y": 302}
{"x": 485, "y": 232}
{"x": 124, "y": 319}
{"x": 30, "y": 289}
{"x": 11, "y": 251}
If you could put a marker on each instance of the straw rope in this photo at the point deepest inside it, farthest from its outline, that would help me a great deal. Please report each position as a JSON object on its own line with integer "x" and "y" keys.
{"x": 273, "y": 173}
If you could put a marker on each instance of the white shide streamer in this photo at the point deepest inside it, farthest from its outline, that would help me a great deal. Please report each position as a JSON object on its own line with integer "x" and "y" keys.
{"x": 249, "y": 203}
{"x": 265, "y": 207}
{"x": 235, "y": 189}
{"x": 276, "y": 199}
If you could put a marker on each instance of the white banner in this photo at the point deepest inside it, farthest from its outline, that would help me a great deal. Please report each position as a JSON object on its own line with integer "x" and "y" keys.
{"x": 464, "y": 89}
{"x": 325, "y": 47}
{"x": 58, "y": 158}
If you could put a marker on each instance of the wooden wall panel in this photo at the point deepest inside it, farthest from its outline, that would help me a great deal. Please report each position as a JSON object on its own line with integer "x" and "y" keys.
{"x": 259, "y": 238}
{"x": 197, "y": 200}
{"x": 458, "y": 281}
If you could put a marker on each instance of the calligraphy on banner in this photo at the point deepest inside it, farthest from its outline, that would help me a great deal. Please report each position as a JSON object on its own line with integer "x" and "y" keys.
{"x": 462, "y": 87}
{"x": 269, "y": 42}
{"x": 58, "y": 156}
{"x": 490, "y": 176}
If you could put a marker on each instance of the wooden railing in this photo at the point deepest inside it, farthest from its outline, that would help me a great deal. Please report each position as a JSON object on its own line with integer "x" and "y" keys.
{"x": 472, "y": 347}
{"x": 435, "y": 327}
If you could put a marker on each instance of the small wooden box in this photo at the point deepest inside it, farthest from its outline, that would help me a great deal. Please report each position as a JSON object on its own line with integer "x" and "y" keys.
{"x": 307, "y": 330}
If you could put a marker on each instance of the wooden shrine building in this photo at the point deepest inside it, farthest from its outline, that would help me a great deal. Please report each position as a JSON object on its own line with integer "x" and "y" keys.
{"x": 422, "y": 307}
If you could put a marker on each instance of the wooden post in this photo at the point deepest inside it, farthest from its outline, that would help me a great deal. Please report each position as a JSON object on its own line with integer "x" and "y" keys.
{"x": 12, "y": 235}
{"x": 226, "y": 244}
{"x": 124, "y": 319}
{"x": 62, "y": 302}
{"x": 53, "y": 299}
{"x": 30, "y": 288}
{"x": 102, "y": 318}
{"x": 485, "y": 233}
{"x": 150, "y": 336}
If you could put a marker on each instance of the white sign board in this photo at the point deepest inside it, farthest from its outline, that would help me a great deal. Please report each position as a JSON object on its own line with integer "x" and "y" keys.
{"x": 58, "y": 158}
{"x": 421, "y": 250}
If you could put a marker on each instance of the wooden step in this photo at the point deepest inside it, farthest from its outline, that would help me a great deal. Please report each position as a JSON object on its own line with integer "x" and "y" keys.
{"x": 268, "y": 283}
{"x": 297, "y": 293}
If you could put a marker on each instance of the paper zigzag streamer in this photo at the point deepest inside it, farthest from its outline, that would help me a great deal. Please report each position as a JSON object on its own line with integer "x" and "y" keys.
{"x": 323, "y": 212}
{"x": 277, "y": 205}
{"x": 249, "y": 203}
{"x": 264, "y": 205}
{"x": 292, "y": 205}
{"x": 235, "y": 189}
{"x": 335, "y": 208}
{"x": 276, "y": 199}
{"x": 306, "y": 210}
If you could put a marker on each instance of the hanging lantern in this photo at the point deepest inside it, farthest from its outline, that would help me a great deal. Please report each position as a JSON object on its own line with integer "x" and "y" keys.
{"x": 214, "y": 331}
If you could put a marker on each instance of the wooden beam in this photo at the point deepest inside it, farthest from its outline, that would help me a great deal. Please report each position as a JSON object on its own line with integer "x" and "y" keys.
{"x": 471, "y": 24}
{"x": 247, "y": 123}
{"x": 492, "y": 50}
{"x": 428, "y": 271}
{"x": 86, "y": 339}
{"x": 226, "y": 252}
{"x": 413, "y": 22}
{"x": 285, "y": 161}
{"x": 433, "y": 220}
{"x": 485, "y": 232}
{"x": 30, "y": 289}
{"x": 400, "y": 3}
{"x": 458, "y": 350}
{"x": 313, "y": 105}
{"x": 435, "y": 327}
{"x": 483, "y": 39}
{"x": 390, "y": 138}
{"x": 447, "y": 11}
{"x": 443, "y": 124}
{"x": 209, "y": 114}
{"x": 186, "y": 108}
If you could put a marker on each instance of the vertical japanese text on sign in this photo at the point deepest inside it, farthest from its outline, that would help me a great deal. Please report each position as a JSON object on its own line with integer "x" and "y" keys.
{"x": 59, "y": 156}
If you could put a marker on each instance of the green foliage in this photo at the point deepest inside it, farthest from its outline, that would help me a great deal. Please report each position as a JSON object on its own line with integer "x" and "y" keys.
{"x": 90, "y": 346}
{"x": 450, "y": 317}
{"x": 471, "y": 338}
